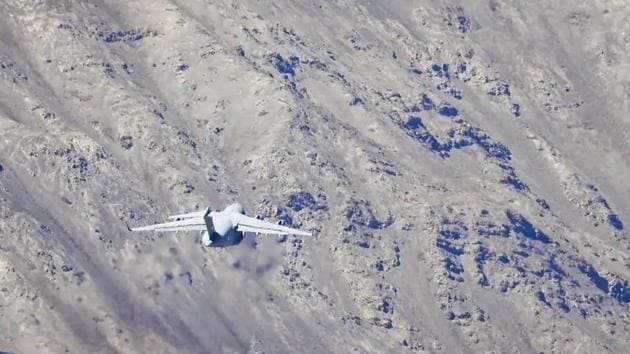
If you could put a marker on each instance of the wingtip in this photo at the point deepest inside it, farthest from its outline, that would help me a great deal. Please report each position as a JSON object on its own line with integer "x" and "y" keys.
{"x": 300, "y": 233}
{"x": 128, "y": 228}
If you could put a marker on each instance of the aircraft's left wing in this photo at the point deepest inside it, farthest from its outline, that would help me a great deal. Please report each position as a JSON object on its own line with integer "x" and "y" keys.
{"x": 190, "y": 224}
{"x": 249, "y": 224}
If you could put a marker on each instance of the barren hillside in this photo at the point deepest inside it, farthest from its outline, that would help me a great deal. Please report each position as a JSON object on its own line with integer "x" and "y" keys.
{"x": 464, "y": 167}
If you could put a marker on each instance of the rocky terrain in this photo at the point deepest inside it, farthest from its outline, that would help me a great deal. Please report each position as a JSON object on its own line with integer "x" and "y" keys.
{"x": 464, "y": 167}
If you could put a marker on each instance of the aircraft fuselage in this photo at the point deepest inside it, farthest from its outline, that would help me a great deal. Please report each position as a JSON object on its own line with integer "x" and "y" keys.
{"x": 221, "y": 230}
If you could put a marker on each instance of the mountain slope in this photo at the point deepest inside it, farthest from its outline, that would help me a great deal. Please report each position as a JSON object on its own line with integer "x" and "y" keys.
{"x": 463, "y": 168}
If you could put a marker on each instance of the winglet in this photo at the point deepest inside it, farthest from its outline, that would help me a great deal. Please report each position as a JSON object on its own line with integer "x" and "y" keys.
{"x": 128, "y": 228}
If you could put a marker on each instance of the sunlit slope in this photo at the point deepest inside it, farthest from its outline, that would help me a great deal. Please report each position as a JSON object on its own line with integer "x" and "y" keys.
{"x": 464, "y": 169}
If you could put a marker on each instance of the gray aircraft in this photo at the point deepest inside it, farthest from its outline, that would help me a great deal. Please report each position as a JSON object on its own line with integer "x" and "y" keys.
{"x": 221, "y": 228}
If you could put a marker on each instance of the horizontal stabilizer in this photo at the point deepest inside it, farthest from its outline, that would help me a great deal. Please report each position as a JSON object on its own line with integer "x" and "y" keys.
{"x": 249, "y": 224}
{"x": 258, "y": 230}
{"x": 195, "y": 214}
{"x": 188, "y": 224}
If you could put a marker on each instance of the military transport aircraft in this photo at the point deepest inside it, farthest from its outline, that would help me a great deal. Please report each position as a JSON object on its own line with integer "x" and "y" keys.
{"x": 221, "y": 228}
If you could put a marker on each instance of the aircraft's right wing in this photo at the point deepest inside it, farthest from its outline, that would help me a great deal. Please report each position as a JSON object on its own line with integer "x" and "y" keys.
{"x": 189, "y": 224}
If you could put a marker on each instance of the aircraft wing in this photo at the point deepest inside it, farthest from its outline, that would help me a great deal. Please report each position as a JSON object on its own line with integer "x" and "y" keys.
{"x": 190, "y": 224}
{"x": 249, "y": 224}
